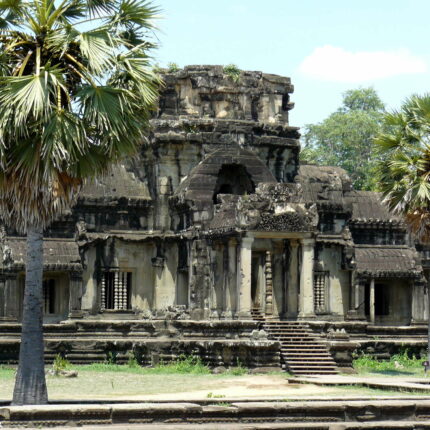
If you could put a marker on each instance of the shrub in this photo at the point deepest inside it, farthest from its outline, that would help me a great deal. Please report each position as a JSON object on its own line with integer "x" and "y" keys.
{"x": 60, "y": 363}
{"x": 173, "y": 67}
{"x": 233, "y": 72}
{"x": 132, "y": 360}
{"x": 184, "y": 364}
{"x": 396, "y": 362}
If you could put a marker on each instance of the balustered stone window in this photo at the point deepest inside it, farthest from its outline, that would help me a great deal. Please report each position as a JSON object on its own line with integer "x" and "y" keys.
{"x": 115, "y": 291}
{"x": 321, "y": 292}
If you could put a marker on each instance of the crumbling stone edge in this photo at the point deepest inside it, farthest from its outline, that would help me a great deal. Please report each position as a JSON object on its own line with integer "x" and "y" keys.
{"x": 234, "y": 412}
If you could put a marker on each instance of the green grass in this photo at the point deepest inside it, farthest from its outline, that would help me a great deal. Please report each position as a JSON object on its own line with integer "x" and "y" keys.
{"x": 397, "y": 365}
{"x": 184, "y": 365}
{"x": 6, "y": 372}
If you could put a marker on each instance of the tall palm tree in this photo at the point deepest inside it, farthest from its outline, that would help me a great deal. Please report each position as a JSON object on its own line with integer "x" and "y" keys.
{"x": 73, "y": 100}
{"x": 404, "y": 173}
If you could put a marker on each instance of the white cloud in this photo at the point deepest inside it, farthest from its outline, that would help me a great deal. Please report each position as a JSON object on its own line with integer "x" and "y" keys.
{"x": 330, "y": 63}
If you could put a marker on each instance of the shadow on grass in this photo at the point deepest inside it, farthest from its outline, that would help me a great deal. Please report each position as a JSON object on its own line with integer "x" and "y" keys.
{"x": 393, "y": 372}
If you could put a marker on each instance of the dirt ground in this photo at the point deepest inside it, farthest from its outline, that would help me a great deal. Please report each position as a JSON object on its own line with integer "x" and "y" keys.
{"x": 91, "y": 385}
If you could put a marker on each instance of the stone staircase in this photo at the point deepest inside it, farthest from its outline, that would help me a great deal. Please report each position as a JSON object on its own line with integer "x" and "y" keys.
{"x": 302, "y": 351}
{"x": 257, "y": 315}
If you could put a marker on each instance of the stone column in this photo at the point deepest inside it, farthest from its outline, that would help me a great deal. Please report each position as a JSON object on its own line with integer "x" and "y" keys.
{"x": 419, "y": 299}
{"x": 232, "y": 281}
{"x": 11, "y": 297}
{"x": 356, "y": 299}
{"x": 372, "y": 300}
{"x": 244, "y": 277}
{"x": 279, "y": 274}
{"x": 75, "y": 294}
{"x": 2, "y": 297}
{"x": 293, "y": 278}
{"x": 306, "y": 304}
{"x": 159, "y": 288}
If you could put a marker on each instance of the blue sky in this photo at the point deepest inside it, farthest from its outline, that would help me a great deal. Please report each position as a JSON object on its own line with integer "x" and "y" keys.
{"x": 325, "y": 46}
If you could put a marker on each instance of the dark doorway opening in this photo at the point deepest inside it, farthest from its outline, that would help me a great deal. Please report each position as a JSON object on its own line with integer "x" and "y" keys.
{"x": 382, "y": 300}
{"x": 233, "y": 179}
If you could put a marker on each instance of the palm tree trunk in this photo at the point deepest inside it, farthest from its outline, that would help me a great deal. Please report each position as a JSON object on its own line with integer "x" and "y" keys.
{"x": 30, "y": 383}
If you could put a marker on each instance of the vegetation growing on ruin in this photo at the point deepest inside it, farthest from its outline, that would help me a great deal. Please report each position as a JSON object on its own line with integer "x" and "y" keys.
{"x": 233, "y": 72}
{"x": 173, "y": 67}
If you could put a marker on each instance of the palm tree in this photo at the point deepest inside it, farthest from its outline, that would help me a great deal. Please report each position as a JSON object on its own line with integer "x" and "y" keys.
{"x": 73, "y": 101}
{"x": 404, "y": 173}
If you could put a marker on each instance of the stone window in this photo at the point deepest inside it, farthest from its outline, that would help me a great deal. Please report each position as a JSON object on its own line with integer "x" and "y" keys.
{"x": 115, "y": 290}
{"x": 321, "y": 292}
{"x": 49, "y": 296}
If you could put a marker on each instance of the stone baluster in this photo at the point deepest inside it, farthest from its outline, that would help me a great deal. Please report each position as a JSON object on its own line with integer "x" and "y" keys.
{"x": 124, "y": 290}
{"x": 116, "y": 302}
{"x": 269, "y": 285}
{"x": 103, "y": 292}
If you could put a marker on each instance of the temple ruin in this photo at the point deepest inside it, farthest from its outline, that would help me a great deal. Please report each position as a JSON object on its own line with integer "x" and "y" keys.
{"x": 214, "y": 240}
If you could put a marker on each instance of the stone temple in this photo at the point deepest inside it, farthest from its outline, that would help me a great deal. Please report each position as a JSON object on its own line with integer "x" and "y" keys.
{"x": 215, "y": 241}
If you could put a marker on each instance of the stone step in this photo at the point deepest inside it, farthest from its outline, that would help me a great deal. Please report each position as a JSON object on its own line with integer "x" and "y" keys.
{"x": 298, "y": 346}
{"x": 310, "y": 359}
{"x": 312, "y": 367}
{"x": 302, "y": 351}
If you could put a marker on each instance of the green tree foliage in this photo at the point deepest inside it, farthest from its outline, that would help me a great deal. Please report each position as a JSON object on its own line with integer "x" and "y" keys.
{"x": 404, "y": 167}
{"x": 73, "y": 100}
{"x": 345, "y": 138}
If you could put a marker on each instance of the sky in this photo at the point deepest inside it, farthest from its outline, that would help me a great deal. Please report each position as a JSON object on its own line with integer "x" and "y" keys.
{"x": 325, "y": 46}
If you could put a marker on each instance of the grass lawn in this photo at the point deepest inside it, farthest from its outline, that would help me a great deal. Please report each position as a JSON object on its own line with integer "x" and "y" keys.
{"x": 112, "y": 382}
{"x": 189, "y": 379}
{"x": 400, "y": 365}
{"x": 109, "y": 382}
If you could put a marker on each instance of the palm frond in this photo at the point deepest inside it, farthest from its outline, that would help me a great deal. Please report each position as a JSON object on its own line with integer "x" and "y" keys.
{"x": 96, "y": 47}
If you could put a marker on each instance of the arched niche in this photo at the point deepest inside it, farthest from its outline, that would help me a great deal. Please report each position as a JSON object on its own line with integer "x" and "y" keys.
{"x": 233, "y": 179}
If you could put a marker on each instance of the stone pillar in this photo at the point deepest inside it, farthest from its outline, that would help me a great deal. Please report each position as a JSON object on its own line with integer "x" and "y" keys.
{"x": 2, "y": 297}
{"x": 232, "y": 281}
{"x": 75, "y": 294}
{"x": 244, "y": 277}
{"x": 293, "y": 280}
{"x": 269, "y": 285}
{"x": 159, "y": 288}
{"x": 372, "y": 300}
{"x": 356, "y": 299}
{"x": 306, "y": 304}
{"x": 11, "y": 307}
{"x": 419, "y": 299}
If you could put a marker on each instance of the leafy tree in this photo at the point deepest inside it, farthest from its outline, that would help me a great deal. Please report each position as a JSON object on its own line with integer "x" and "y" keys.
{"x": 404, "y": 169}
{"x": 72, "y": 101}
{"x": 345, "y": 138}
